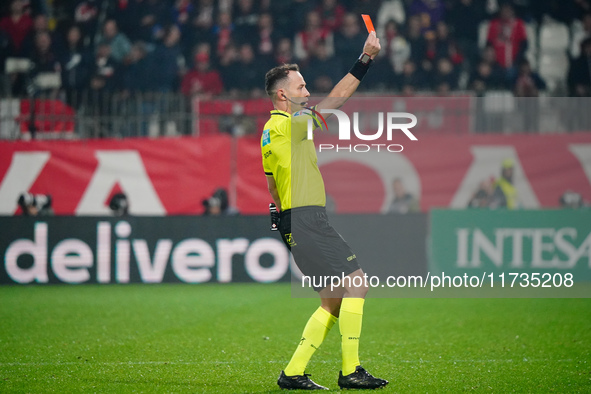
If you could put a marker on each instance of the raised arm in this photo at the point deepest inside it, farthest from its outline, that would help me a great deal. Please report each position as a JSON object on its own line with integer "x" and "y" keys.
{"x": 348, "y": 85}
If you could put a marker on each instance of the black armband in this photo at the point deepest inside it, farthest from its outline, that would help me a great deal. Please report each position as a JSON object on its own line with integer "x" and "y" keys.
{"x": 360, "y": 67}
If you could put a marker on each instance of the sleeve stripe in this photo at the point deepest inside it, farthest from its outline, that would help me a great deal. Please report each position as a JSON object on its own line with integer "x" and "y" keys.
{"x": 315, "y": 119}
{"x": 268, "y": 173}
{"x": 316, "y": 122}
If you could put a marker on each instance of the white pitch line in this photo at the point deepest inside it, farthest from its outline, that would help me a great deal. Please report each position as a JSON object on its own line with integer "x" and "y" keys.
{"x": 120, "y": 363}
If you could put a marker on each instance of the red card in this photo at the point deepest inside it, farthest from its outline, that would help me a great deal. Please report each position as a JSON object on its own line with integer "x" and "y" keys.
{"x": 368, "y": 23}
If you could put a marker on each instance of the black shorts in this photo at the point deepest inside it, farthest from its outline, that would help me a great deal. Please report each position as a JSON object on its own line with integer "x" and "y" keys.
{"x": 317, "y": 248}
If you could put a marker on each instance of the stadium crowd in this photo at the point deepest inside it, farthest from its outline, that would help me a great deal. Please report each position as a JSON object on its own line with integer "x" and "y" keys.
{"x": 210, "y": 48}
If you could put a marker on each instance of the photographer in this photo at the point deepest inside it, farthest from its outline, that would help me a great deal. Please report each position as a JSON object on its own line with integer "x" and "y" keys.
{"x": 35, "y": 204}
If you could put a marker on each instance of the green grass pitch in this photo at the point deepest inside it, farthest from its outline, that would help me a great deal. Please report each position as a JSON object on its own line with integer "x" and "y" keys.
{"x": 236, "y": 338}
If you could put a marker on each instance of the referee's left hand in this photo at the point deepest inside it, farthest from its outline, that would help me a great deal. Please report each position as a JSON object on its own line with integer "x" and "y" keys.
{"x": 372, "y": 45}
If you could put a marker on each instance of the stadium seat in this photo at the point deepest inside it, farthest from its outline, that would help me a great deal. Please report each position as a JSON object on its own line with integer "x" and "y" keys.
{"x": 483, "y": 33}
{"x": 499, "y": 102}
{"x": 554, "y": 36}
{"x": 554, "y": 46}
{"x": 532, "y": 48}
{"x": 553, "y": 68}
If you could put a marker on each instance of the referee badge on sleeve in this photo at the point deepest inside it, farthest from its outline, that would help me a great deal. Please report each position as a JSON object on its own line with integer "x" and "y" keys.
{"x": 266, "y": 137}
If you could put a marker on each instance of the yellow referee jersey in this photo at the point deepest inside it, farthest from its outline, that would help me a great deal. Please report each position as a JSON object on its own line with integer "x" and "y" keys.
{"x": 291, "y": 159}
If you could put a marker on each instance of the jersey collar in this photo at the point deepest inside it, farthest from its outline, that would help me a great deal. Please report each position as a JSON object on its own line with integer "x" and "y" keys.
{"x": 281, "y": 113}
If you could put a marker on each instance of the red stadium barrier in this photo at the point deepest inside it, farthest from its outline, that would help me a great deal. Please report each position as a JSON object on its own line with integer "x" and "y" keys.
{"x": 51, "y": 116}
{"x": 173, "y": 176}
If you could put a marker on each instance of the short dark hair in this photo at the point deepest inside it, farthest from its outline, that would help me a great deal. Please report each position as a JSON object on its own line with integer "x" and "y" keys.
{"x": 276, "y": 75}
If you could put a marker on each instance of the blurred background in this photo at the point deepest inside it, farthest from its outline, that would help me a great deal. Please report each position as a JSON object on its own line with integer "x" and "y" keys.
{"x": 130, "y": 152}
{"x": 133, "y": 108}
{"x": 126, "y": 68}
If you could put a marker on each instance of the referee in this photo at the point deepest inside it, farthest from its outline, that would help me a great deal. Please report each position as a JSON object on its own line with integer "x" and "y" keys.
{"x": 297, "y": 188}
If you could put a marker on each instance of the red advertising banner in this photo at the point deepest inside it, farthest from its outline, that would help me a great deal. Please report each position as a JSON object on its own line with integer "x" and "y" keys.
{"x": 173, "y": 176}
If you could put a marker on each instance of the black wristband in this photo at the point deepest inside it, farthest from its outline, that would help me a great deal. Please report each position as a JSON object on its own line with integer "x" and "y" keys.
{"x": 359, "y": 69}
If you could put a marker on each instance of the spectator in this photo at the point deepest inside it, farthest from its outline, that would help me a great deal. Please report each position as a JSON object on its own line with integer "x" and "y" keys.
{"x": 45, "y": 60}
{"x": 74, "y": 65}
{"x": 412, "y": 77}
{"x": 390, "y": 10}
{"x": 527, "y": 83}
{"x": 486, "y": 77}
{"x": 205, "y": 15}
{"x": 245, "y": 19}
{"x": 429, "y": 13}
{"x": 408, "y": 91}
{"x": 266, "y": 37}
{"x": 323, "y": 71}
{"x": 579, "y": 74}
{"x": 403, "y": 201}
{"x": 138, "y": 69}
{"x": 505, "y": 191}
{"x": 105, "y": 72}
{"x": 143, "y": 20}
{"x": 446, "y": 76}
{"x": 85, "y": 15}
{"x": 41, "y": 23}
{"x": 202, "y": 80}
{"x": 104, "y": 77}
{"x": 507, "y": 35}
{"x": 264, "y": 7}
{"x": 200, "y": 28}
{"x": 230, "y": 70}
{"x": 252, "y": 72}
{"x": 223, "y": 33}
{"x": 284, "y": 52}
{"x": 290, "y": 15}
{"x": 427, "y": 70}
{"x": 390, "y": 62}
{"x": 465, "y": 16}
{"x": 484, "y": 196}
{"x": 332, "y": 14}
{"x": 306, "y": 39}
{"x": 138, "y": 105}
{"x": 17, "y": 25}
{"x": 181, "y": 14}
{"x": 118, "y": 42}
{"x": 445, "y": 46}
{"x": 397, "y": 49}
{"x": 416, "y": 40}
{"x": 349, "y": 38}
{"x": 489, "y": 55}
{"x": 169, "y": 62}
{"x": 581, "y": 36}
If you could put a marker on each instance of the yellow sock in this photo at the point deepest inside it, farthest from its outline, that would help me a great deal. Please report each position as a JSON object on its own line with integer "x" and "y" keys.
{"x": 350, "y": 325}
{"x": 314, "y": 333}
